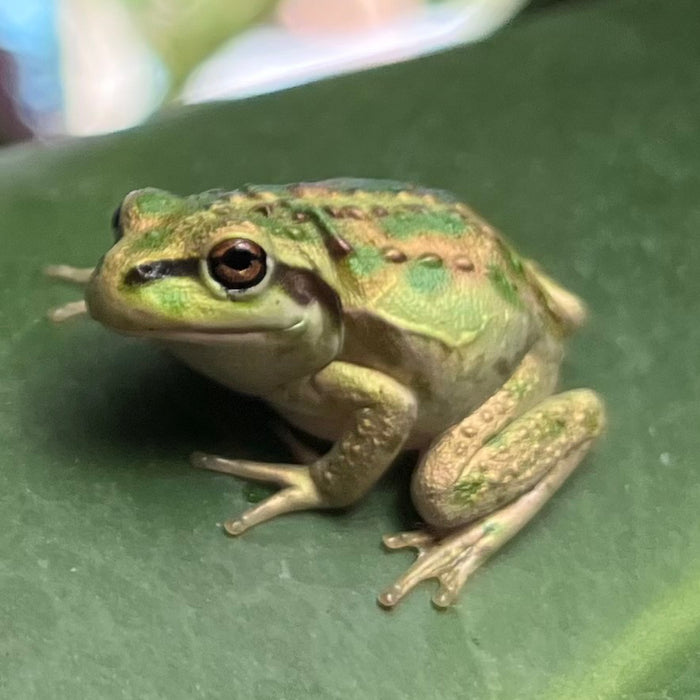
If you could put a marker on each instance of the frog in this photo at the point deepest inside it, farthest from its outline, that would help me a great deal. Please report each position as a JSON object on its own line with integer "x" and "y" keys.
{"x": 379, "y": 316}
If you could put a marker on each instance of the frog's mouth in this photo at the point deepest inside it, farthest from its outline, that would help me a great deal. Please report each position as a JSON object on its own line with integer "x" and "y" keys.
{"x": 206, "y": 335}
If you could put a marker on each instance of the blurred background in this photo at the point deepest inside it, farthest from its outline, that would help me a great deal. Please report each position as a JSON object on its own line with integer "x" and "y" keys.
{"x": 82, "y": 67}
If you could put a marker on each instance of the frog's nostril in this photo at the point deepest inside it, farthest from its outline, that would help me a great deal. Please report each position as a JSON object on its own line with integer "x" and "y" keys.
{"x": 145, "y": 272}
{"x": 157, "y": 269}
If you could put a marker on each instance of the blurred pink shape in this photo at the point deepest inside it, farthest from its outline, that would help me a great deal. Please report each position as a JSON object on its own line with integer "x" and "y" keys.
{"x": 341, "y": 16}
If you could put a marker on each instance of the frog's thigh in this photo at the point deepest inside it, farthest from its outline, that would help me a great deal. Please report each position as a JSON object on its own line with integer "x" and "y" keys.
{"x": 448, "y": 458}
{"x": 500, "y": 488}
{"x": 511, "y": 462}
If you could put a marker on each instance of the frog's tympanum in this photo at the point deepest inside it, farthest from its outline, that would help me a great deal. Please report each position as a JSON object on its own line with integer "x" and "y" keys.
{"x": 379, "y": 316}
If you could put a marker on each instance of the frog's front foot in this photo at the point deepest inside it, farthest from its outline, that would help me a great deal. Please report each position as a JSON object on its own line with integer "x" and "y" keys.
{"x": 450, "y": 560}
{"x": 74, "y": 275}
{"x": 297, "y": 489}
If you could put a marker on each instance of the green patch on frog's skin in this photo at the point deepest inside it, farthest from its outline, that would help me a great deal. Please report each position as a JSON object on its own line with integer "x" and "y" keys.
{"x": 503, "y": 285}
{"x": 443, "y": 327}
{"x": 518, "y": 388}
{"x": 171, "y": 299}
{"x": 491, "y": 526}
{"x": 500, "y": 438}
{"x": 407, "y": 224}
{"x": 465, "y": 491}
{"x": 592, "y": 422}
{"x": 299, "y": 232}
{"x": 516, "y": 262}
{"x": 552, "y": 427}
{"x": 152, "y": 202}
{"x": 427, "y": 278}
{"x": 365, "y": 260}
{"x": 152, "y": 241}
{"x": 174, "y": 297}
{"x": 512, "y": 258}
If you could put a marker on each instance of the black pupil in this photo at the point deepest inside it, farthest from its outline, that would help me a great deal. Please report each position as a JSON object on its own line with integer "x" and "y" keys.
{"x": 238, "y": 259}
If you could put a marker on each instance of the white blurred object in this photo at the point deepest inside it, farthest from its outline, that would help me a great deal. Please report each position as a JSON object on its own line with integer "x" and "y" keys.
{"x": 313, "y": 40}
{"x": 110, "y": 82}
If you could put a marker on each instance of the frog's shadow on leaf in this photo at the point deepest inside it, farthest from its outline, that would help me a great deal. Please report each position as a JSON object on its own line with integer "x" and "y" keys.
{"x": 124, "y": 406}
{"x": 126, "y": 397}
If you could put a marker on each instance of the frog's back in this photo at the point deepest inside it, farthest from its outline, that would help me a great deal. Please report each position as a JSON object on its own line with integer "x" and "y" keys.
{"x": 417, "y": 258}
{"x": 431, "y": 294}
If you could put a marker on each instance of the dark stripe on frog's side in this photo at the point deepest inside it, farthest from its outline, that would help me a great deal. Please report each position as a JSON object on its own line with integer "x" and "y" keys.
{"x": 336, "y": 245}
{"x": 158, "y": 269}
{"x": 306, "y": 286}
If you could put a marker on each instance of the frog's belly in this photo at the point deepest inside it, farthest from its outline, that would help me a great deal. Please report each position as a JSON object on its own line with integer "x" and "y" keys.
{"x": 448, "y": 383}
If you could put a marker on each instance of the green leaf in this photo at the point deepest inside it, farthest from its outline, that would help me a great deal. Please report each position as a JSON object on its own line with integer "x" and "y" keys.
{"x": 574, "y": 132}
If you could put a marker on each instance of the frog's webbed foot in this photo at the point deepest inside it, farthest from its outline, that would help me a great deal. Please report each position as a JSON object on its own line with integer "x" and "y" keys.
{"x": 450, "y": 560}
{"x": 455, "y": 557}
{"x": 297, "y": 489}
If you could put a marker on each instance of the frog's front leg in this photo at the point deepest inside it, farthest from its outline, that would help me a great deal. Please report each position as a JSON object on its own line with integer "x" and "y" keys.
{"x": 482, "y": 481}
{"x": 382, "y": 413}
{"x": 68, "y": 273}
{"x": 75, "y": 275}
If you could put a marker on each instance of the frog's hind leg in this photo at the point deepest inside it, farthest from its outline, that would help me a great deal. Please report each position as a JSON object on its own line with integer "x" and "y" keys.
{"x": 484, "y": 479}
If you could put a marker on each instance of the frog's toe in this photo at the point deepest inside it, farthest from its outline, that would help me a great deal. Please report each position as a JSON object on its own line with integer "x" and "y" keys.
{"x": 68, "y": 273}
{"x": 298, "y": 490}
{"x": 69, "y": 310}
{"x": 280, "y": 474}
{"x": 418, "y": 539}
{"x": 450, "y": 561}
{"x": 285, "y": 501}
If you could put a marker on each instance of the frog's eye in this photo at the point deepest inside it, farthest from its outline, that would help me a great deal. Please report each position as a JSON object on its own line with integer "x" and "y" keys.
{"x": 237, "y": 263}
{"x": 117, "y": 224}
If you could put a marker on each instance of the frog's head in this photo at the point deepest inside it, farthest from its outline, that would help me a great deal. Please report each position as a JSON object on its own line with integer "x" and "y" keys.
{"x": 204, "y": 277}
